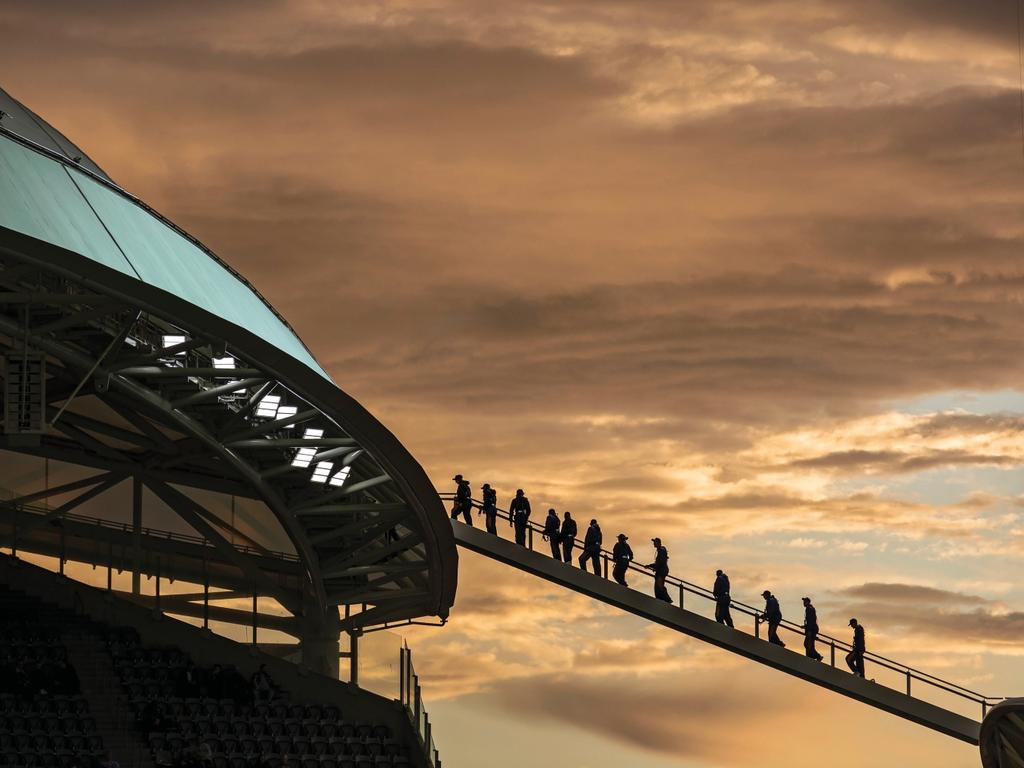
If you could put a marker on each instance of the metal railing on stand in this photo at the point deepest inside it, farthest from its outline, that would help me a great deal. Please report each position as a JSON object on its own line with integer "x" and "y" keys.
{"x": 412, "y": 699}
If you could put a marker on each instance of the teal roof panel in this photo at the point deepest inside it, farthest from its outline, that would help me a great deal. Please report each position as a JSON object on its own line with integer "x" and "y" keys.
{"x": 45, "y": 199}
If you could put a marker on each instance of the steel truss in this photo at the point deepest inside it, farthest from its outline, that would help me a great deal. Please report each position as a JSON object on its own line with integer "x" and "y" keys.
{"x": 182, "y": 423}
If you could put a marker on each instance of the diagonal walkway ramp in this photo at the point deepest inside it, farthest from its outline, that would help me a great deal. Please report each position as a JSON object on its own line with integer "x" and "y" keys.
{"x": 824, "y": 674}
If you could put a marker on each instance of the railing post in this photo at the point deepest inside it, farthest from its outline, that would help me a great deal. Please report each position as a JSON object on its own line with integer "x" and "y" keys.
{"x": 682, "y": 594}
{"x": 14, "y": 533}
{"x": 255, "y": 615}
{"x": 908, "y": 682}
{"x": 529, "y": 537}
{"x": 984, "y": 708}
{"x": 110, "y": 565}
{"x": 757, "y": 626}
{"x": 605, "y": 558}
{"x": 832, "y": 643}
{"x": 63, "y": 545}
{"x": 158, "y": 584}
{"x": 401, "y": 675}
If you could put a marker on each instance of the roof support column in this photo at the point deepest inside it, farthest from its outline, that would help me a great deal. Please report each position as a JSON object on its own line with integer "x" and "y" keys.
{"x": 137, "y": 534}
{"x": 319, "y": 634}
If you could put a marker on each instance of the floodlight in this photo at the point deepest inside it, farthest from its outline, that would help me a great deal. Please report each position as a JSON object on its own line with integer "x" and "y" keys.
{"x": 304, "y": 456}
{"x": 285, "y": 411}
{"x": 341, "y": 476}
{"x": 267, "y": 407}
{"x": 224, "y": 363}
{"x": 322, "y": 471}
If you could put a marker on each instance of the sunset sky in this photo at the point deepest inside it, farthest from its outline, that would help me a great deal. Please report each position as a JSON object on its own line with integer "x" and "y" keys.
{"x": 747, "y": 276}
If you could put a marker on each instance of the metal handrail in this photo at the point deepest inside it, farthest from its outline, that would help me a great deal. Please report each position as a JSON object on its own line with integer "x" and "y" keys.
{"x": 185, "y": 538}
{"x": 910, "y": 673}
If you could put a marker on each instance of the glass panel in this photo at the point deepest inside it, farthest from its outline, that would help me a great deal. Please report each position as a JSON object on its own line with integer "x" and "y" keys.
{"x": 378, "y": 663}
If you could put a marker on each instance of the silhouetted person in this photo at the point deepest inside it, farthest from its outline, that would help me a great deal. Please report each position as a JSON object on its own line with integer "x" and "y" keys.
{"x": 773, "y": 616}
{"x": 262, "y": 685}
{"x": 567, "y": 537}
{"x": 622, "y": 555}
{"x": 520, "y": 510}
{"x": 463, "y": 500}
{"x": 660, "y": 566}
{"x": 722, "y": 598}
{"x": 592, "y": 547}
{"x": 551, "y": 526}
{"x": 855, "y": 658}
{"x": 490, "y": 509}
{"x": 810, "y": 630}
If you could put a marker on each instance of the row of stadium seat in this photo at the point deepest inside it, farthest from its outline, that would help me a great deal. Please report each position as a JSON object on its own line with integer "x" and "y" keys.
{"x": 231, "y": 730}
{"x": 54, "y": 704}
{"x": 269, "y": 745}
{"x": 257, "y": 728}
{"x": 44, "y": 720}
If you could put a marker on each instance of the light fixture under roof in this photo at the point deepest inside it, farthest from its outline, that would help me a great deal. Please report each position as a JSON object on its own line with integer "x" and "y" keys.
{"x": 304, "y": 456}
{"x": 224, "y": 363}
{"x": 267, "y": 407}
{"x": 341, "y": 476}
{"x": 172, "y": 340}
{"x": 285, "y": 411}
{"x": 322, "y": 471}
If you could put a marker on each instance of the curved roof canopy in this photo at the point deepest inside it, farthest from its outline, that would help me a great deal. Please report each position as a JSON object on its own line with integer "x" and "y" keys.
{"x": 163, "y": 366}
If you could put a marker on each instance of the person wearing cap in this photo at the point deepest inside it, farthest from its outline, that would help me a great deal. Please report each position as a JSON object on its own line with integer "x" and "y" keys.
{"x": 551, "y": 525}
{"x": 660, "y": 566}
{"x": 520, "y": 511}
{"x": 463, "y": 500}
{"x": 567, "y": 537}
{"x": 490, "y": 508}
{"x": 622, "y": 556}
{"x": 810, "y": 630}
{"x": 722, "y": 599}
{"x": 773, "y": 616}
{"x": 855, "y": 658}
{"x": 592, "y": 548}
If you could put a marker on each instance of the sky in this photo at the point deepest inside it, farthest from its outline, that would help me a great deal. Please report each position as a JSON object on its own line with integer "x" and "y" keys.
{"x": 745, "y": 276}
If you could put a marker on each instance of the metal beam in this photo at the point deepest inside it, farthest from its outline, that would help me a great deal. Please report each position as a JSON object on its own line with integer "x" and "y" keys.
{"x": 74, "y": 485}
{"x": 96, "y": 490}
{"x": 287, "y": 624}
{"x": 110, "y": 430}
{"x": 214, "y": 392}
{"x": 88, "y": 441}
{"x": 342, "y": 492}
{"x": 72, "y": 453}
{"x": 186, "y": 508}
{"x": 368, "y": 527}
{"x": 274, "y": 424}
{"x": 346, "y": 510}
{"x": 173, "y": 372}
{"x": 365, "y": 556}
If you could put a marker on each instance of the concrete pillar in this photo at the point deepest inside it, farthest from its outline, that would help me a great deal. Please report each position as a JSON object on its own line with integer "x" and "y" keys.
{"x": 318, "y": 641}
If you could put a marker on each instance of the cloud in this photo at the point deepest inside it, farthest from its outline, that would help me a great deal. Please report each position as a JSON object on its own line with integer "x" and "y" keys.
{"x": 945, "y": 619}
{"x": 911, "y": 593}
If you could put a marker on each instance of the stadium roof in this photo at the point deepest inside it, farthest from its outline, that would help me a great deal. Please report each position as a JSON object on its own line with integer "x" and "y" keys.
{"x": 212, "y": 388}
